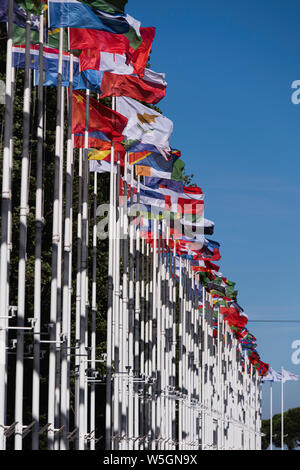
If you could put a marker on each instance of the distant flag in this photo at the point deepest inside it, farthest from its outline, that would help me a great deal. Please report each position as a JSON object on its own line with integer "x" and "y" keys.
{"x": 286, "y": 375}
{"x": 272, "y": 376}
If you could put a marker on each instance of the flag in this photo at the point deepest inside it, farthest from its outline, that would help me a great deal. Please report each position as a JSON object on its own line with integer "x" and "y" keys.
{"x": 91, "y": 42}
{"x": 155, "y": 183}
{"x": 272, "y": 376}
{"x": 104, "y": 152}
{"x": 89, "y": 14}
{"x": 101, "y": 166}
{"x": 50, "y": 59}
{"x": 95, "y": 41}
{"x": 145, "y": 124}
{"x": 286, "y": 375}
{"x": 20, "y": 14}
{"x": 155, "y": 165}
{"x": 101, "y": 118}
{"x": 116, "y": 78}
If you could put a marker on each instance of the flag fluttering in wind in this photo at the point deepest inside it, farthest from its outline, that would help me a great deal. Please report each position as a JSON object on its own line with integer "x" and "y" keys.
{"x": 145, "y": 124}
{"x": 91, "y": 14}
{"x": 286, "y": 376}
{"x": 101, "y": 118}
{"x": 272, "y": 376}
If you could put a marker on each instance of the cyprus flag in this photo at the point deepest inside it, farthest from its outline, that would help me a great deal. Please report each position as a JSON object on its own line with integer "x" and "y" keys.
{"x": 145, "y": 124}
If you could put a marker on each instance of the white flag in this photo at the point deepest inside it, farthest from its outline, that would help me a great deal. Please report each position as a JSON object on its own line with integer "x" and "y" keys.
{"x": 272, "y": 376}
{"x": 286, "y": 375}
{"x": 145, "y": 124}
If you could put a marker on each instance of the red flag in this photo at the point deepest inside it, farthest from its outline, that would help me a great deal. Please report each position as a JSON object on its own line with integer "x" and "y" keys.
{"x": 101, "y": 118}
{"x": 141, "y": 55}
{"x": 99, "y": 40}
{"x": 151, "y": 89}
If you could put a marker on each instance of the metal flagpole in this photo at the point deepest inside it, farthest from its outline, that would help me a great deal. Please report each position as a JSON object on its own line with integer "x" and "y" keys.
{"x": 116, "y": 307}
{"x": 137, "y": 320}
{"x": 131, "y": 322}
{"x": 124, "y": 321}
{"x": 153, "y": 316}
{"x": 59, "y": 340}
{"x": 271, "y": 416}
{"x": 282, "y": 412}
{"x": 108, "y": 419}
{"x": 38, "y": 247}
{"x": 5, "y": 217}
{"x": 67, "y": 274}
{"x": 94, "y": 313}
{"x": 83, "y": 287}
{"x": 22, "y": 245}
{"x": 78, "y": 291}
{"x": 55, "y": 251}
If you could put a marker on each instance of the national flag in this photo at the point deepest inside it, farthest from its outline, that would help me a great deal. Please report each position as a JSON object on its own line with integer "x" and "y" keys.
{"x": 50, "y": 59}
{"x": 90, "y": 15}
{"x": 234, "y": 317}
{"x": 155, "y": 165}
{"x": 101, "y": 166}
{"x": 20, "y": 14}
{"x": 101, "y": 118}
{"x": 104, "y": 152}
{"x": 145, "y": 124}
{"x": 286, "y": 375}
{"x": 272, "y": 376}
{"x": 91, "y": 42}
{"x": 116, "y": 78}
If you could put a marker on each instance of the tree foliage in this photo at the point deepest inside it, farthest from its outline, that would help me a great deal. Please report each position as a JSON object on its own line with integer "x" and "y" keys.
{"x": 291, "y": 429}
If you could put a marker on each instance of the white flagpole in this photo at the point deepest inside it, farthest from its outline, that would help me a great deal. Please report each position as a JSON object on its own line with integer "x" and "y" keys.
{"x": 38, "y": 248}
{"x": 78, "y": 291}
{"x": 55, "y": 250}
{"x": 94, "y": 313}
{"x": 22, "y": 246}
{"x": 108, "y": 411}
{"x": 67, "y": 273}
{"x": 282, "y": 412}
{"x": 83, "y": 289}
{"x": 5, "y": 218}
{"x": 271, "y": 416}
{"x": 137, "y": 320}
{"x": 124, "y": 310}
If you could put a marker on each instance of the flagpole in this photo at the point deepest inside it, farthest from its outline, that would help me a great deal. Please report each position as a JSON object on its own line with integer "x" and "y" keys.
{"x": 94, "y": 314}
{"x": 124, "y": 352}
{"x": 78, "y": 292}
{"x": 154, "y": 337}
{"x": 137, "y": 320}
{"x": 108, "y": 410}
{"x": 22, "y": 245}
{"x": 282, "y": 412}
{"x": 131, "y": 323}
{"x": 271, "y": 416}
{"x": 55, "y": 252}
{"x": 5, "y": 217}
{"x": 38, "y": 247}
{"x": 83, "y": 287}
{"x": 67, "y": 273}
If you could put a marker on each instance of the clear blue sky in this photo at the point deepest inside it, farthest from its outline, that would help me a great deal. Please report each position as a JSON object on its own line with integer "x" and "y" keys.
{"x": 229, "y": 67}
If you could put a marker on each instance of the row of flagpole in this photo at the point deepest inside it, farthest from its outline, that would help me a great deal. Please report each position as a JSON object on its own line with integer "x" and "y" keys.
{"x": 281, "y": 377}
{"x": 170, "y": 384}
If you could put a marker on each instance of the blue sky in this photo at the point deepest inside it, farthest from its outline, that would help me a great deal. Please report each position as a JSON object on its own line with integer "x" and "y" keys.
{"x": 229, "y": 67}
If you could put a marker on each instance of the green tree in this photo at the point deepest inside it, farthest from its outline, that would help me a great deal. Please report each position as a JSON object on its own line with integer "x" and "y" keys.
{"x": 291, "y": 429}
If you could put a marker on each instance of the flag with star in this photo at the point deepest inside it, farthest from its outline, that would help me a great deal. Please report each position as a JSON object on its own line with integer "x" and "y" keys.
{"x": 101, "y": 118}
